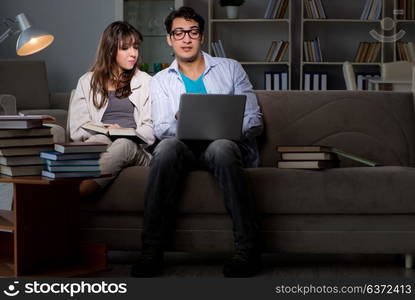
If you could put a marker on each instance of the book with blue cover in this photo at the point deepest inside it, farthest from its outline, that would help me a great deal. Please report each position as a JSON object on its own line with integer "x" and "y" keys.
{"x": 69, "y": 174}
{"x": 73, "y": 168}
{"x": 54, "y": 155}
{"x": 73, "y": 162}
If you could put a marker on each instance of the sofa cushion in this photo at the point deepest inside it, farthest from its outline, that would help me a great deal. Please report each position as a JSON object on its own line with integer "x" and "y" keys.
{"x": 355, "y": 190}
{"x": 359, "y": 190}
{"x": 377, "y": 125}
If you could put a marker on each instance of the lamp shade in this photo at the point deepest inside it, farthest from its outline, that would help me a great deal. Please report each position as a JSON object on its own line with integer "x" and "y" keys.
{"x": 31, "y": 40}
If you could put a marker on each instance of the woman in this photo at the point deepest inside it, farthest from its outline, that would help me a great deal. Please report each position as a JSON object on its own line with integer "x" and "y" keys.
{"x": 114, "y": 92}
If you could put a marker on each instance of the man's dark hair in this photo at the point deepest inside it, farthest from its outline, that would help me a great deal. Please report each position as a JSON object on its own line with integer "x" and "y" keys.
{"x": 187, "y": 13}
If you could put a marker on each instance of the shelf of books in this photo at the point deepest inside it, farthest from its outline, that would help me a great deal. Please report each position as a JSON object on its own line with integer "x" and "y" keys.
{"x": 332, "y": 33}
{"x": 262, "y": 49}
{"x": 404, "y": 30}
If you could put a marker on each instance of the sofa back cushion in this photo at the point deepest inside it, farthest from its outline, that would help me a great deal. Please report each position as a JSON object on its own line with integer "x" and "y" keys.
{"x": 376, "y": 125}
{"x": 27, "y": 81}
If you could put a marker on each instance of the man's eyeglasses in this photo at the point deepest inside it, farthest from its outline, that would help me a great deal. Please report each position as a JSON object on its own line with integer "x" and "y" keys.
{"x": 178, "y": 34}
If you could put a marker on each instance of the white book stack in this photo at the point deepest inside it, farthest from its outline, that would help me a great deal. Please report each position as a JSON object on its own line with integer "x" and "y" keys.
{"x": 363, "y": 83}
{"x": 268, "y": 81}
{"x": 307, "y": 82}
{"x": 315, "y": 81}
{"x": 284, "y": 81}
{"x": 276, "y": 81}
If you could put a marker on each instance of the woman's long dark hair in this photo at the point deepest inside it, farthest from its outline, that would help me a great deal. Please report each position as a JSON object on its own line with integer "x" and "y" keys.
{"x": 116, "y": 35}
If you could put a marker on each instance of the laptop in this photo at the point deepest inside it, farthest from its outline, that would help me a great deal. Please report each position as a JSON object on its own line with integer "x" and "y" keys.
{"x": 210, "y": 117}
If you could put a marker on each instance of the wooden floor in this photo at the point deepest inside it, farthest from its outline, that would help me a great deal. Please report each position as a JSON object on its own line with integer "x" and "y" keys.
{"x": 305, "y": 265}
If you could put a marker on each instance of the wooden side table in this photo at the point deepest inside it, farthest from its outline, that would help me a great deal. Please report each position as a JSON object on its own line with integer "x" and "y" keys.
{"x": 40, "y": 236}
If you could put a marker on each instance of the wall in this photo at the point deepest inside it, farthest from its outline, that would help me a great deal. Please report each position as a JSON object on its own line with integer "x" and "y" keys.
{"x": 76, "y": 25}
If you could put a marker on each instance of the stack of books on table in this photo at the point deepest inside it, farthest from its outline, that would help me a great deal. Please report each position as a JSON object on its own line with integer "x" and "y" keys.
{"x": 22, "y": 138}
{"x": 315, "y": 157}
{"x": 73, "y": 160}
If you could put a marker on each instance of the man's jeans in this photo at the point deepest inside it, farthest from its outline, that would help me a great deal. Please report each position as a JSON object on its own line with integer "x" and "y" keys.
{"x": 171, "y": 163}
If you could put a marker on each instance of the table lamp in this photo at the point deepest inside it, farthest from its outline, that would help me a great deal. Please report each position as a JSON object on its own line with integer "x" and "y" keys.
{"x": 30, "y": 40}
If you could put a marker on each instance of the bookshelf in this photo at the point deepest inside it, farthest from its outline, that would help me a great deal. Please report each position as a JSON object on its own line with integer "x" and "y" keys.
{"x": 404, "y": 18}
{"x": 148, "y": 17}
{"x": 339, "y": 35}
{"x": 257, "y": 32}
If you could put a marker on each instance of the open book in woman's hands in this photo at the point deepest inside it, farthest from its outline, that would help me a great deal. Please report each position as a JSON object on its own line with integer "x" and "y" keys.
{"x": 114, "y": 133}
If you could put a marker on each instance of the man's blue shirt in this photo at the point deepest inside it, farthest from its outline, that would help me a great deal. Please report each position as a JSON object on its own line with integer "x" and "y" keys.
{"x": 194, "y": 86}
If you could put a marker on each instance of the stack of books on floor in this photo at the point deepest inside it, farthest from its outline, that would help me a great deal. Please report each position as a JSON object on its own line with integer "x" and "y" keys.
{"x": 315, "y": 157}
{"x": 22, "y": 138}
{"x": 73, "y": 160}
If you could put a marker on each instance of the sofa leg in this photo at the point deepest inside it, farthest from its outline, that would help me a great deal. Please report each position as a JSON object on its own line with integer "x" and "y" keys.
{"x": 409, "y": 261}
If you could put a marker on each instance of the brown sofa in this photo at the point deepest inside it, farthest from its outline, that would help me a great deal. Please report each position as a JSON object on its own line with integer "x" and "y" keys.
{"x": 353, "y": 209}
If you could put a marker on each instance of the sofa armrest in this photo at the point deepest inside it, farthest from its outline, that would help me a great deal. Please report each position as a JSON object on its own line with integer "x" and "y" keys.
{"x": 59, "y": 100}
{"x": 7, "y": 105}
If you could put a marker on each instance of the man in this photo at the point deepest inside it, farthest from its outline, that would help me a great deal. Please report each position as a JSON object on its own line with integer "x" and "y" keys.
{"x": 194, "y": 71}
